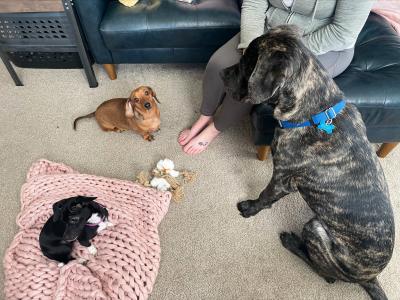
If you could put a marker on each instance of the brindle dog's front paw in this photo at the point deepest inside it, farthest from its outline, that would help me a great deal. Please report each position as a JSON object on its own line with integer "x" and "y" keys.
{"x": 247, "y": 208}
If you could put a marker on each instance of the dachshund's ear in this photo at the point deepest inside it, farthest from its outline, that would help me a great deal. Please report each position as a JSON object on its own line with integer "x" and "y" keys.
{"x": 155, "y": 98}
{"x": 128, "y": 109}
{"x": 59, "y": 207}
{"x": 138, "y": 116}
{"x": 153, "y": 93}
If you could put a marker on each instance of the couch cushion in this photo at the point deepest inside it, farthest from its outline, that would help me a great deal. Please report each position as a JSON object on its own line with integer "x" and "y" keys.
{"x": 170, "y": 24}
{"x": 371, "y": 82}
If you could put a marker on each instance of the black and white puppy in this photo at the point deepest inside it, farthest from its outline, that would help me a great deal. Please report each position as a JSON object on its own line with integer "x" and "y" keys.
{"x": 351, "y": 236}
{"x": 76, "y": 218}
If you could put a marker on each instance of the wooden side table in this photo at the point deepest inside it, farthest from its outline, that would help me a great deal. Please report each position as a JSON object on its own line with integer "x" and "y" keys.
{"x": 42, "y": 39}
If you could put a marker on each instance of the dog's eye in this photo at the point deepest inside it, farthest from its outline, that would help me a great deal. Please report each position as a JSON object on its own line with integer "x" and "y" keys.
{"x": 146, "y": 93}
{"x": 74, "y": 220}
{"x": 136, "y": 100}
{"x": 75, "y": 208}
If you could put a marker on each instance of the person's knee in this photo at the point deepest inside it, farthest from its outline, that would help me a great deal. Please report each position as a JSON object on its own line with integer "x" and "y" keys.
{"x": 215, "y": 66}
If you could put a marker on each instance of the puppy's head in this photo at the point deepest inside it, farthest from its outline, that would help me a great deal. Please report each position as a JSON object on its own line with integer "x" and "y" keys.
{"x": 142, "y": 103}
{"x": 74, "y": 213}
{"x": 278, "y": 69}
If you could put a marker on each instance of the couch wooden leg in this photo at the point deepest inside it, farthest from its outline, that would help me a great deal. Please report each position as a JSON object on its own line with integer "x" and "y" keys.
{"x": 385, "y": 149}
{"x": 263, "y": 152}
{"x": 110, "y": 69}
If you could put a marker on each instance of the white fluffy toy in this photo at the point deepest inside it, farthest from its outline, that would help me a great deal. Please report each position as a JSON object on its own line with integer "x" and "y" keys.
{"x": 166, "y": 178}
{"x": 167, "y": 166}
{"x": 164, "y": 166}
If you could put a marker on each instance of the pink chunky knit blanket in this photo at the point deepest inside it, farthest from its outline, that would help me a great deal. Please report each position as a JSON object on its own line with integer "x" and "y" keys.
{"x": 128, "y": 254}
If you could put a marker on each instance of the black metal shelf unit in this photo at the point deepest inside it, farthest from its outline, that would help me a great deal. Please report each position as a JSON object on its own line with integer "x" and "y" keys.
{"x": 44, "y": 40}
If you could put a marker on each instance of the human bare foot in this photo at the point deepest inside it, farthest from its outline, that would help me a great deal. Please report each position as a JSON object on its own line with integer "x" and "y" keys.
{"x": 202, "y": 140}
{"x": 186, "y": 135}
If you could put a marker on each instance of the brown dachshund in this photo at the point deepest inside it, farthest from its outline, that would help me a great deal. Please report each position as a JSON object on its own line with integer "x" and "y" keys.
{"x": 138, "y": 113}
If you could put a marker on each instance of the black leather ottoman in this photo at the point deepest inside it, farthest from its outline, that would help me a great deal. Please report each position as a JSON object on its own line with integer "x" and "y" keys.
{"x": 372, "y": 83}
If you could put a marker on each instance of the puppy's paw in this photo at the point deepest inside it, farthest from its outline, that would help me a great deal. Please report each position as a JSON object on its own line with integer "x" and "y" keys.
{"x": 290, "y": 241}
{"x": 247, "y": 208}
{"x": 102, "y": 226}
{"x": 92, "y": 250}
{"x": 82, "y": 261}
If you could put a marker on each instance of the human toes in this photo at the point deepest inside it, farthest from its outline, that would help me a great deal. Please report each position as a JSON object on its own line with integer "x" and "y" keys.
{"x": 184, "y": 137}
{"x": 183, "y": 134}
{"x": 195, "y": 146}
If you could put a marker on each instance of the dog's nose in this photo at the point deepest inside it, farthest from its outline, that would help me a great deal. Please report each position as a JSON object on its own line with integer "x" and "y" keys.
{"x": 147, "y": 105}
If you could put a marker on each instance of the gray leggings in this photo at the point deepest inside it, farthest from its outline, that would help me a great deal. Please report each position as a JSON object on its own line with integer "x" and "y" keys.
{"x": 231, "y": 112}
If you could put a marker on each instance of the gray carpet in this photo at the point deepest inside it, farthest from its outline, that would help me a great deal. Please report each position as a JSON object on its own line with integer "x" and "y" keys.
{"x": 208, "y": 250}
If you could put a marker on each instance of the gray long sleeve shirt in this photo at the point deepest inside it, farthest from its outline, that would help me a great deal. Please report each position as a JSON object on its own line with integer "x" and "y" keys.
{"x": 328, "y": 25}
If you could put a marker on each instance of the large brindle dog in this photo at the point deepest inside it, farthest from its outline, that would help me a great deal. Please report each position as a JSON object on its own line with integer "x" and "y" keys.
{"x": 351, "y": 237}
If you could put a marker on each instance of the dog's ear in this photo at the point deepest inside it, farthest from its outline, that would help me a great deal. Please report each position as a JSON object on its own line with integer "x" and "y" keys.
{"x": 232, "y": 80}
{"x": 137, "y": 115}
{"x": 155, "y": 98}
{"x": 269, "y": 76}
{"x": 129, "y": 109}
{"x": 59, "y": 207}
{"x": 236, "y": 77}
{"x": 85, "y": 200}
{"x": 266, "y": 79}
{"x": 153, "y": 93}
{"x": 98, "y": 207}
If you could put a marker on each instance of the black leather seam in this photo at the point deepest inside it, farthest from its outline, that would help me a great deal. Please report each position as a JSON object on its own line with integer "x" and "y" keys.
{"x": 381, "y": 37}
{"x": 169, "y": 29}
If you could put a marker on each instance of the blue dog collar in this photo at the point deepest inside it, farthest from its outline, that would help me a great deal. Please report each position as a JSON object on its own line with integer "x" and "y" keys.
{"x": 323, "y": 120}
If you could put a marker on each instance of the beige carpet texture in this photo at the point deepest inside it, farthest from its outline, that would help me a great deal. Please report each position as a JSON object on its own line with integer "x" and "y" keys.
{"x": 207, "y": 250}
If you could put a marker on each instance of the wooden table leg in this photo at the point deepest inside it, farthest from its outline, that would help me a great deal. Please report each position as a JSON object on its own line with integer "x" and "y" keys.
{"x": 385, "y": 149}
{"x": 263, "y": 152}
{"x": 110, "y": 69}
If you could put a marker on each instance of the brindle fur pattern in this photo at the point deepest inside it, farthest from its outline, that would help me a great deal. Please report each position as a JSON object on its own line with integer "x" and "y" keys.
{"x": 351, "y": 237}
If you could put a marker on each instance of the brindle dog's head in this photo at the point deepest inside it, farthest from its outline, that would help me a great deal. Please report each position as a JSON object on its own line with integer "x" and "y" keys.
{"x": 277, "y": 68}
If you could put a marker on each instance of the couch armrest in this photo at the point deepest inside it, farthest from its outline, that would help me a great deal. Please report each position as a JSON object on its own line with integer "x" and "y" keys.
{"x": 90, "y": 13}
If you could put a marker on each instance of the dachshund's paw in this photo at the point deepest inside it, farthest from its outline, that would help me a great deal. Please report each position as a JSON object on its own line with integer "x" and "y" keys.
{"x": 149, "y": 137}
{"x": 291, "y": 241}
{"x": 247, "y": 208}
{"x": 92, "y": 250}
